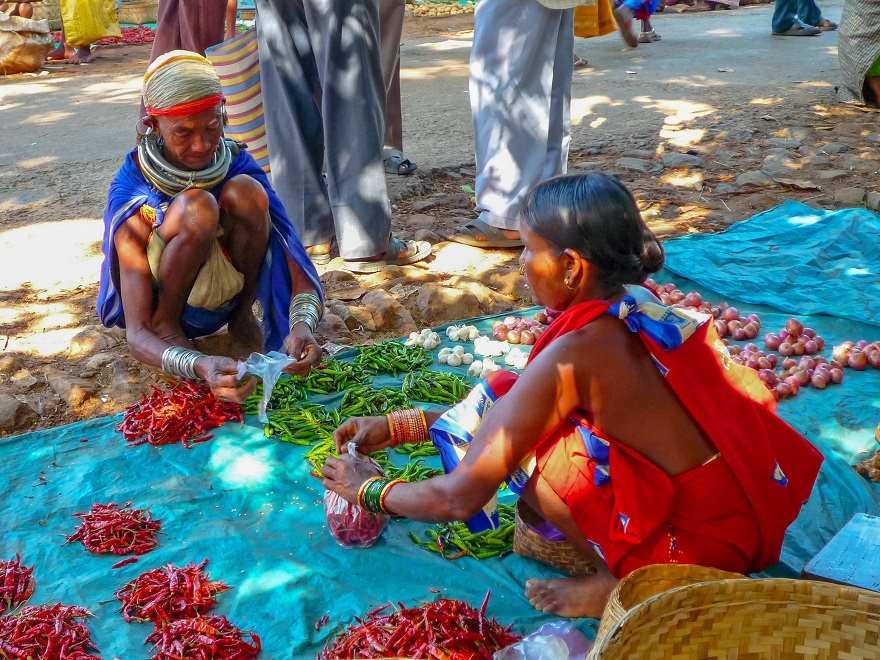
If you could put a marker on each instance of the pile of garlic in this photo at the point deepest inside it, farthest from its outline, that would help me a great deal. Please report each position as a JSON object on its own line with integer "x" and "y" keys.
{"x": 516, "y": 359}
{"x": 454, "y": 357}
{"x": 482, "y": 368}
{"x": 462, "y": 332}
{"x": 490, "y": 347}
{"x": 427, "y": 339}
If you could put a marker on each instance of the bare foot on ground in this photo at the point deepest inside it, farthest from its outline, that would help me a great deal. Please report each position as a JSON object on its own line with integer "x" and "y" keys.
{"x": 572, "y": 597}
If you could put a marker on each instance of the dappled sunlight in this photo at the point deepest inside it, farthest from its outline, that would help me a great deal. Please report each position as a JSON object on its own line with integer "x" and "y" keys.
{"x": 39, "y": 161}
{"x": 40, "y": 317}
{"x": 445, "y": 46}
{"x": 677, "y": 111}
{"x": 689, "y": 180}
{"x": 441, "y": 69}
{"x": 596, "y": 123}
{"x": 270, "y": 580}
{"x": 846, "y": 441}
{"x": 49, "y": 117}
{"x": 458, "y": 258}
{"x": 29, "y": 89}
{"x": 51, "y": 257}
{"x": 238, "y": 467}
{"x": 723, "y": 32}
{"x": 683, "y": 137}
{"x": 581, "y": 108}
{"x": 697, "y": 82}
{"x": 772, "y": 100}
{"x": 44, "y": 344}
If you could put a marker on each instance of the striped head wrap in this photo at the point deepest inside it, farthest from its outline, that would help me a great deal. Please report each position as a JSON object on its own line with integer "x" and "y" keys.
{"x": 181, "y": 83}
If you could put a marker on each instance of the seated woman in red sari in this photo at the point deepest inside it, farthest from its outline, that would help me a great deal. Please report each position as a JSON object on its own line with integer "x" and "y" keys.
{"x": 630, "y": 431}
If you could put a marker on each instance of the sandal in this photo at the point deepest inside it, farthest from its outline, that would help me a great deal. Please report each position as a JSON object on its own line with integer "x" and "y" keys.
{"x": 399, "y": 253}
{"x": 494, "y": 238}
{"x": 649, "y": 37}
{"x": 321, "y": 258}
{"x": 397, "y": 163}
{"x": 580, "y": 62}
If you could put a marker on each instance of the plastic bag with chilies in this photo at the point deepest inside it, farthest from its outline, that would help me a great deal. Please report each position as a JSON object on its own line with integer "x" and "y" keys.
{"x": 267, "y": 368}
{"x": 87, "y": 21}
{"x": 351, "y": 525}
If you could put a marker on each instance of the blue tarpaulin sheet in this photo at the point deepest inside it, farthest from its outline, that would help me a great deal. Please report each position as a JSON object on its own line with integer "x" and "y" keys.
{"x": 249, "y": 505}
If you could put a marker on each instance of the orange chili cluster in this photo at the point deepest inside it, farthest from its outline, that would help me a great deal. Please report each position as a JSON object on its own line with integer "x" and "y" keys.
{"x": 16, "y": 584}
{"x": 108, "y": 529}
{"x": 183, "y": 413}
{"x": 169, "y": 594}
{"x": 208, "y": 638}
{"x": 448, "y": 629}
{"x": 49, "y": 631}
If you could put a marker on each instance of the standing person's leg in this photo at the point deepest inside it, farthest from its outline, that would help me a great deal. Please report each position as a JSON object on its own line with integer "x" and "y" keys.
{"x": 512, "y": 99}
{"x": 391, "y": 14}
{"x": 558, "y": 132}
{"x": 202, "y": 24}
{"x": 810, "y": 13}
{"x": 294, "y": 129}
{"x": 787, "y": 23}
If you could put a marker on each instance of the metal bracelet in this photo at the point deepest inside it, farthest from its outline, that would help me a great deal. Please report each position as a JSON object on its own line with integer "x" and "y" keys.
{"x": 180, "y": 362}
{"x": 306, "y": 308}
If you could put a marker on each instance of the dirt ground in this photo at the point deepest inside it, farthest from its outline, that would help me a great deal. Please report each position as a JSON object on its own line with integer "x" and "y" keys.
{"x": 713, "y": 124}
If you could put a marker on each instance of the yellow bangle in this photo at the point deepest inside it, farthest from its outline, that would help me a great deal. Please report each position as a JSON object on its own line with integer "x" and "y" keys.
{"x": 385, "y": 491}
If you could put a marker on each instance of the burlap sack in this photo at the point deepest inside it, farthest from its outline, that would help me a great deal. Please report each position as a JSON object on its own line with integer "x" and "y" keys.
{"x": 24, "y": 44}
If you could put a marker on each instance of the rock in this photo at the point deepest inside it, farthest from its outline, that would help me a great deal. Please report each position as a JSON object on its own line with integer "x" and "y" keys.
{"x": 15, "y": 415}
{"x": 361, "y": 319}
{"x": 453, "y": 174}
{"x": 74, "y": 391}
{"x": 754, "y": 178}
{"x": 780, "y": 163}
{"x": 387, "y": 313}
{"x": 850, "y": 196}
{"x": 455, "y": 200}
{"x": 675, "y": 159}
{"x": 785, "y": 143}
{"x": 512, "y": 283}
{"x": 420, "y": 221}
{"x": 333, "y": 328}
{"x": 468, "y": 172}
{"x": 9, "y": 364}
{"x": 436, "y": 301}
{"x": 873, "y": 203}
{"x": 725, "y": 188}
{"x": 647, "y": 154}
{"x": 638, "y": 165}
{"x": 428, "y": 235}
{"x": 94, "y": 338}
{"x": 834, "y": 148}
{"x": 23, "y": 381}
{"x": 126, "y": 385}
{"x": 831, "y": 175}
{"x": 96, "y": 363}
{"x": 339, "y": 278}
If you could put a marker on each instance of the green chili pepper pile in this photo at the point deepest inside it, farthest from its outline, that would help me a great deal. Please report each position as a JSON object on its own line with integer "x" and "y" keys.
{"x": 302, "y": 425}
{"x": 287, "y": 393}
{"x": 332, "y": 376}
{"x": 417, "y": 449}
{"x": 393, "y": 358}
{"x": 324, "y": 449}
{"x": 365, "y": 401}
{"x": 413, "y": 471}
{"x": 454, "y": 540}
{"x": 435, "y": 387}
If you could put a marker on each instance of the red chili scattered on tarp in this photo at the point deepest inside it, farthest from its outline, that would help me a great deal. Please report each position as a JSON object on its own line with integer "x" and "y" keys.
{"x": 110, "y": 529}
{"x": 125, "y": 562}
{"x": 184, "y": 413}
{"x": 206, "y": 638}
{"x": 49, "y": 632}
{"x": 16, "y": 584}
{"x": 445, "y": 628}
{"x": 169, "y": 594}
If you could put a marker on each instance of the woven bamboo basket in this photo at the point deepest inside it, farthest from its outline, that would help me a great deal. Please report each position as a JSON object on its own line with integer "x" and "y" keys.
{"x": 559, "y": 554}
{"x": 749, "y": 620}
{"x": 648, "y": 581}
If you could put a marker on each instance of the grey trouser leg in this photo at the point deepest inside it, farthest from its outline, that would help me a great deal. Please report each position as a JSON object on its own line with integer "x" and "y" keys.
{"x": 324, "y": 97}
{"x": 520, "y": 105}
{"x": 391, "y": 13}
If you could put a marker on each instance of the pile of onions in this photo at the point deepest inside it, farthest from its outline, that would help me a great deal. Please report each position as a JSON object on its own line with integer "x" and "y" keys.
{"x": 517, "y": 331}
{"x": 793, "y": 374}
{"x": 857, "y": 354}
{"x": 794, "y": 340}
{"x": 729, "y": 323}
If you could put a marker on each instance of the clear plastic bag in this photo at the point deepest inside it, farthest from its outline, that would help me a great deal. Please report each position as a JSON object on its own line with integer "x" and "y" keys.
{"x": 267, "y": 368}
{"x": 351, "y": 525}
{"x": 557, "y": 640}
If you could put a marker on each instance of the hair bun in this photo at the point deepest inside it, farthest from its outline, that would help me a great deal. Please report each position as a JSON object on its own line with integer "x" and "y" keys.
{"x": 652, "y": 257}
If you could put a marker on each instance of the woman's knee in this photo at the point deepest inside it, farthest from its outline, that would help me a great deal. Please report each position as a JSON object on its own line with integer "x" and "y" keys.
{"x": 194, "y": 212}
{"x": 244, "y": 198}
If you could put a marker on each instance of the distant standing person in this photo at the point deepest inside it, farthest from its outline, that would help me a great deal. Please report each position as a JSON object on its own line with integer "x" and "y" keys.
{"x": 799, "y": 18}
{"x": 641, "y": 10}
{"x": 859, "y": 53}
{"x": 391, "y": 13}
{"x": 324, "y": 95}
{"x": 520, "y": 89}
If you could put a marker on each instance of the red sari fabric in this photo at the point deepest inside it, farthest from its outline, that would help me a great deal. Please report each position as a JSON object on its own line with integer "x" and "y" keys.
{"x": 730, "y": 513}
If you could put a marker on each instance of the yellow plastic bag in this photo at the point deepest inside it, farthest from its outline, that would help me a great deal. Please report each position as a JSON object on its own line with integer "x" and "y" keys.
{"x": 86, "y": 21}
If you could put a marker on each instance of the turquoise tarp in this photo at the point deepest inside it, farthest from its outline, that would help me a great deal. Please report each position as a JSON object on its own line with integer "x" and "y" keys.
{"x": 249, "y": 505}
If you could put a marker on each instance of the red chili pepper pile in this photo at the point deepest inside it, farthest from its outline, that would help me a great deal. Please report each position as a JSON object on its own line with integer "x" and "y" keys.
{"x": 448, "y": 629}
{"x": 16, "y": 584}
{"x": 182, "y": 413}
{"x": 139, "y": 34}
{"x": 208, "y": 638}
{"x": 169, "y": 594}
{"x": 48, "y": 632}
{"x": 108, "y": 529}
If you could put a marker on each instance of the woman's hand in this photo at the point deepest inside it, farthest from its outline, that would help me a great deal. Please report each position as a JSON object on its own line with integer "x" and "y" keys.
{"x": 368, "y": 433}
{"x": 302, "y": 347}
{"x": 345, "y": 475}
{"x": 221, "y": 375}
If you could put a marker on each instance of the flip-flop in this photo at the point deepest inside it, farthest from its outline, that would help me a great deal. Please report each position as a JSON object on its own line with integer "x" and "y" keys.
{"x": 397, "y": 163}
{"x": 467, "y": 235}
{"x": 580, "y": 62}
{"x": 799, "y": 30}
{"x": 649, "y": 37}
{"x": 418, "y": 251}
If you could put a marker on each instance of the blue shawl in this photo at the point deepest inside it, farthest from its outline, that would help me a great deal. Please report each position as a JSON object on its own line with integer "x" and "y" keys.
{"x": 130, "y": 191}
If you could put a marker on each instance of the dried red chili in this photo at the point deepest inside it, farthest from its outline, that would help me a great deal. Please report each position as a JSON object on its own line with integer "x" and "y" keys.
{"x": 169, "y": 594}
{"x": 184, "y": 413}
{"x": 445, "y": 628}
{"x": 16, "y": 584}
{"x": 110, "y": 529}
{"x": 204, "y": 638}
{"x": 48, "y": 632}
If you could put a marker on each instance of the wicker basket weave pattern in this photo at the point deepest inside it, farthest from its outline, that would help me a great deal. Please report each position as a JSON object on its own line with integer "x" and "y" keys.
{"x": 559, "y": 554}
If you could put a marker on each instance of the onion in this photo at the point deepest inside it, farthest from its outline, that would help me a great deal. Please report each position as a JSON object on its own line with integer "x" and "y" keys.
{"x": 803, "y": 376}
{"x": 751, "y": 348}
{"x": 768, "y": 376}
{"x": 498, "y": 324}
{"x": 809, "y": 332}
{"x": 527, "y": 337}
{"x": 874, "y": 359}
{"x": 751, "y": 329}
{"x": 820, "y": 380}
{"x": 772, "y": 341}
{"x": 500, "y": 333}
{"x": 739, "y": 334}
{"x": 733, "y": 326}
{"x": 794, "y": 327}
{"x": 734, "y": 350}
{"x": 754, "y": 318}
{"x": 650, "y": 283}
{"x": 730, "y": 314}
{"x": 861, "y": 343}
{"x": 794, "y": 383}
{"x": 693, "y": 299}
{"x": 806, "y": 363}
{"x": 541, "y": 317}
{"x": 721, "y": 328}
{"x": 857, "y": 360}
{"x": 811, "y": 346}
{"x": 836, "y": 375}
{"x": 789, "y": 363}
{"x": 783, "y": 334}
{"x": 783, "y": 390}
{"x": 820, "y": 343}
{"x": 669, "y": 288}
{"x": 716, "y": 312}
{"x": 513, "y": 336}
{"x": 752, "y": 362}
{"x": 511, "y": 321}
{"x": 764, "y": 362}
{"x": 786, "y": 349}
{"x": 773, "y": 359}
{"x": 798, "y": 348}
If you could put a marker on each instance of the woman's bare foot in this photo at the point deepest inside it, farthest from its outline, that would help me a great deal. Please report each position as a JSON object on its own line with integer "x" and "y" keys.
{"x": 572, "y": 597}
{"x": 623, "y": 16}
{"x": 81, "y": 56}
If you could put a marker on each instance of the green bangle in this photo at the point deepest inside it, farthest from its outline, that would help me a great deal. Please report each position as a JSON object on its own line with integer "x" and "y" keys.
{"x": 373, "y": 495}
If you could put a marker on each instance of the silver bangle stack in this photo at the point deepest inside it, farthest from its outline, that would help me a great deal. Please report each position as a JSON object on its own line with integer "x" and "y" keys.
{"x": 180, "y": 362}
{"x": 306, "y": 308}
